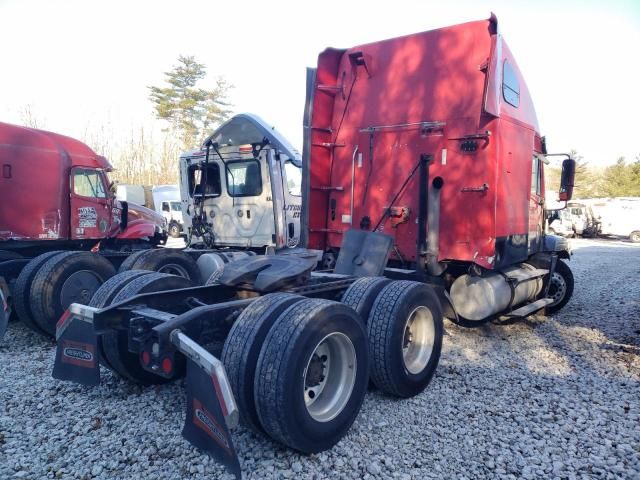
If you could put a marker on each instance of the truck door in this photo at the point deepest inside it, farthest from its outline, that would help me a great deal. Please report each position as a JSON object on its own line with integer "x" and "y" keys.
{"x": 536, "y": 206}
{"x": 286, "y": 186}
{"x": 247, "y": 204}
{"x": 91, "y": 215}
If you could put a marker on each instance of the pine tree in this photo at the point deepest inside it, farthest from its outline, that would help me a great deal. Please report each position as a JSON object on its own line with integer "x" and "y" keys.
{"x": 192, "y": 112}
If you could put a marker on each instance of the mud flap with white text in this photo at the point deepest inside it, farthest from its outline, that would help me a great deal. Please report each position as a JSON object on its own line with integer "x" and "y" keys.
{"x": 205, "y": 425}
{"x": 76, "y": 352}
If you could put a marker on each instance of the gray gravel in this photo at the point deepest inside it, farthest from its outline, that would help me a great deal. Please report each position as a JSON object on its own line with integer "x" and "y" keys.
{"x": 544, "y": 398}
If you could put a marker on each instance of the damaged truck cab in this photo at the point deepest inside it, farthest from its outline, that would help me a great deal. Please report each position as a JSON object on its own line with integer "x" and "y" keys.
{"x": 252, "y": 193}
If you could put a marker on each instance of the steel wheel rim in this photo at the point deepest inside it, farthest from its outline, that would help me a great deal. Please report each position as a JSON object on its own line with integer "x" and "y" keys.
{"x": 174, "y": 269}
{"x": 418, "y": 339}
{"x": 329, "y": 377}
{"x": 79, "y": 287}
{"x": 557, "y": 289}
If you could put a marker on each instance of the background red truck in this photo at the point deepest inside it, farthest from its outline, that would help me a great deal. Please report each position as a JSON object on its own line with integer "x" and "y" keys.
{"x": 56, "y": 200}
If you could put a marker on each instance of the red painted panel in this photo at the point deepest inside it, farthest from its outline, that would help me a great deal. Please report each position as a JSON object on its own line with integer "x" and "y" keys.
{"x": 397, "y": 84}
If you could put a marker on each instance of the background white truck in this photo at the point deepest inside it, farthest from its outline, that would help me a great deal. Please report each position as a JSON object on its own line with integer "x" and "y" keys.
{"x": 164, "y": 199}
{"x": 252, "y": 180}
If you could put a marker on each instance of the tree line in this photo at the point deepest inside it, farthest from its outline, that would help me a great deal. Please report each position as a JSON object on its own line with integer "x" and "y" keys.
{"x": 622, "y": 179}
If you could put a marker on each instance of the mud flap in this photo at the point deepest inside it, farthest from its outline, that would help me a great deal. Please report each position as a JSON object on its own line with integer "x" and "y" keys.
{"x": 76, "y": 350}
{"x": 211, "y": 408}
{"x": 204, "y": 425}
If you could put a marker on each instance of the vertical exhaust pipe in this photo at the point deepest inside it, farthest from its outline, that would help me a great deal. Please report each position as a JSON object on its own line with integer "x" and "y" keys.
{"x": 433, "y": 227}
{"x": 423, "y": 206}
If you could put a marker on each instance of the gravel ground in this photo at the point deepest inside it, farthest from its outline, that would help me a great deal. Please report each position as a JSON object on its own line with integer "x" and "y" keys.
{"x": 544, "y": 398}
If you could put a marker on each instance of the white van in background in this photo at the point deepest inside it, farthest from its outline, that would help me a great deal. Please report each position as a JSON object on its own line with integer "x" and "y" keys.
{"x": 619, "y": 216}
{"x": 166, "y": 201}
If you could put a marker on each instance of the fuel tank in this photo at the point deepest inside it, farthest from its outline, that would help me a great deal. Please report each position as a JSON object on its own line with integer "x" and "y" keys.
{"x": 478, "y": 297}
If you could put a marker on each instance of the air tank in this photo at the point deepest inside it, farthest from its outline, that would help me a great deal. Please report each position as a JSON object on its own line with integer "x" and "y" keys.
{"x": 478, "y": 297}
{"x": 211, "y": 265}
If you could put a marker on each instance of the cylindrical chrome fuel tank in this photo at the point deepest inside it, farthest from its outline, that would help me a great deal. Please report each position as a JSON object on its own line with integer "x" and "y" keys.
{"x": 479, "y": 297}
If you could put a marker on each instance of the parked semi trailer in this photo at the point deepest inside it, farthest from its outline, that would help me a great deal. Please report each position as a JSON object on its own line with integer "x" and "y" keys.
{"x": 422, "y": 183}
{"x": 63, "y": 233}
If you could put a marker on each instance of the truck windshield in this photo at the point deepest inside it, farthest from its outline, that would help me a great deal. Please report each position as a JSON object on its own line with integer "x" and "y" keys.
{"x": 293, "y": 176}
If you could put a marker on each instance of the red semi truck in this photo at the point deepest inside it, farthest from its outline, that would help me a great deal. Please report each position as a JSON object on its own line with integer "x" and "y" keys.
{"x": 433, "y": 139}
{"x": 422, "y": 184}
{"x": 56, "y": 200}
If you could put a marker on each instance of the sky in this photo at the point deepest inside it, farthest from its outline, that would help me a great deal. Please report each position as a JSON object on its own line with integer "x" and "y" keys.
{"x": 86, "y": 65}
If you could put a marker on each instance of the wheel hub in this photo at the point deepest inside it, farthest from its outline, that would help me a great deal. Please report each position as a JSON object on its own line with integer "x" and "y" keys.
{"x": 315, "y": 372}
{"x": 418, "y": 340}
{"x": 558, "y": 288}
{"x": 329, "y": 377}
{"x": 79, "y": 287}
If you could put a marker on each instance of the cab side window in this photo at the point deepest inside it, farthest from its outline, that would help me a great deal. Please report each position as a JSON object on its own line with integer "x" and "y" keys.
{"x": 535, "y": 176}
{"x": 87, "y": 182}
{"x": 197, "y": 176}
{"x": 294, "y": 178}
{"x": 165, "y": 207}
{"x": 510, "y": 85}
{"x": 243, "y": 179}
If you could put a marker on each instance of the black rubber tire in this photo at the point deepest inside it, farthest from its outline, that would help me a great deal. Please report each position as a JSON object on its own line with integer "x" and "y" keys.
{"x": 562, "y": 269}
{"x": 109, "y": 289}
{"x": 242, "y": 349}
{"x": 279, "y": 384}
{"x": 44, "y": 294}
{"x": 22, "y": 289}
{"x": 162, "y": 258}
{"x": 106, "y": 293}
{"x": 130, "y": 260}
{"x": 386, "y": 330}
{"x": 115, "y": 345}
{"x": 174, "y": 229}
{"x": 362, "y": 293}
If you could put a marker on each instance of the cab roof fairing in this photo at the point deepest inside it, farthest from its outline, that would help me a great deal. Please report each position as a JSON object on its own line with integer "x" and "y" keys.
{"x": 255, "y": 130}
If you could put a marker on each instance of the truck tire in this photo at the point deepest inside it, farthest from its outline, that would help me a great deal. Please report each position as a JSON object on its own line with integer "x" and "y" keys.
{"x": 115, "y": 345}
{"x": 362, "y": 293}
{"x": 561, "y": 288}
{"x": 242, "y": 349}
{"x": 171, "y": 261}
{"x": 22, "y": 287}
{"x": 105, "y": 295}
{"x": 405, "y": 331}
{"x": 635, "y": 236}
{"x": 174, "y": 229}
{"x": 130, "y": 260}
{"x": 312, "y": 375}
{"x": 69, "y": 277}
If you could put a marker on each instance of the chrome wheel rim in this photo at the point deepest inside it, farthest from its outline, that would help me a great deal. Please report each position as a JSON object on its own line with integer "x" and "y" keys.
{"x": 418, "y": 339}
{"x": 79, "y": 287}
{"x": 557, "y": 289}
{"x": 329, "y": 377}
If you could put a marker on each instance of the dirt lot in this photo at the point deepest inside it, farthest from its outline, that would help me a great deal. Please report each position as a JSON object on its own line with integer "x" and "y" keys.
{"x": 542, "y": 398}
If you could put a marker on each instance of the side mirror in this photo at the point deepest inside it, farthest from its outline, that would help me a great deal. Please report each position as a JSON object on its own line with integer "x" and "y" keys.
{"x": 566, "y": 179}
